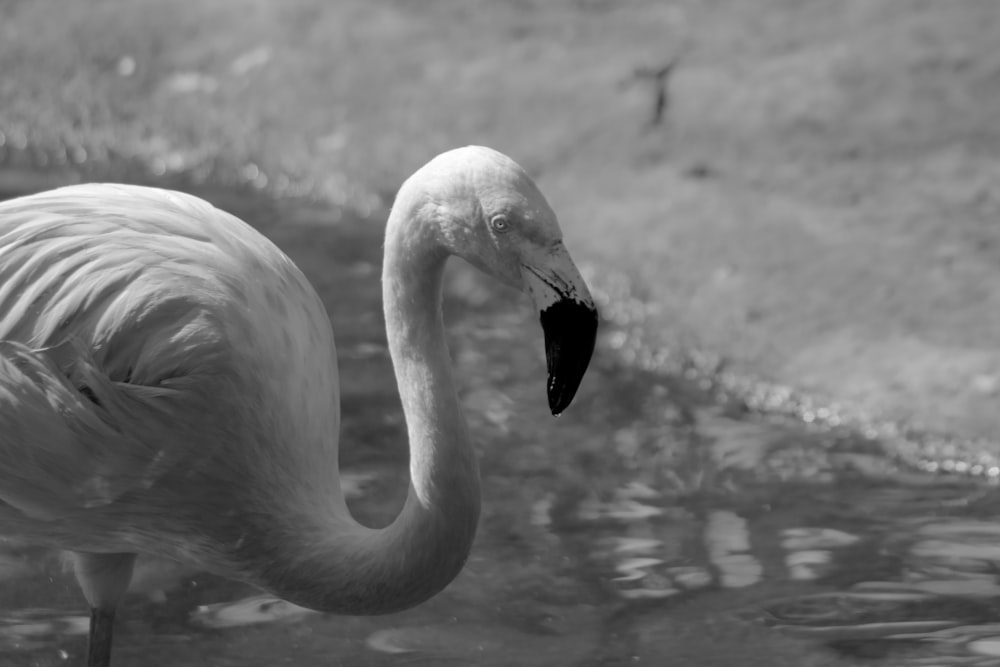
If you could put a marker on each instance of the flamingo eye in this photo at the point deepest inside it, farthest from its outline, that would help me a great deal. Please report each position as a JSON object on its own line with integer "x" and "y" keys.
{"x": 499, "y": 224}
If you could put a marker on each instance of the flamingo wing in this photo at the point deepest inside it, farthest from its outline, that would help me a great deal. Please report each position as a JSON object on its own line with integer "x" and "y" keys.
{"x": 121, "y": 326}
{"x": 154, "y": 349}
{"x": 76, "y": 440}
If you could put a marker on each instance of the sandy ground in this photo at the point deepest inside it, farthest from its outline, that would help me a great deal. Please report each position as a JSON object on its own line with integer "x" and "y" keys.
{"x": 819, "y": 205}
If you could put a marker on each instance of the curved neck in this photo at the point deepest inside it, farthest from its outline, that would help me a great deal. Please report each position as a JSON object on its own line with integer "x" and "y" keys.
{"x": 345, "y": 567}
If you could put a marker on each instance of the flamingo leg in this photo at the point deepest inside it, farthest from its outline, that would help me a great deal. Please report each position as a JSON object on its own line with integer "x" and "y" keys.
{"x": 104, "y": 579}
{"x": 99, "y": 644}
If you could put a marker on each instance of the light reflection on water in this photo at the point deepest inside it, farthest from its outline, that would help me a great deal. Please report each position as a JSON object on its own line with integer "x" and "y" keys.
{"x": 661, "y": 520}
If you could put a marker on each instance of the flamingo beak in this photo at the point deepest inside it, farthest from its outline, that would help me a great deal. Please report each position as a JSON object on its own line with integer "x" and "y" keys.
{"x": 569, "y": 321}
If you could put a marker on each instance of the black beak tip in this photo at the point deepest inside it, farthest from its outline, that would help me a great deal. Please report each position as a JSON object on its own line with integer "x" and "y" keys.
{"x": 570, "y": 334}
{"x": 559, "y": 400}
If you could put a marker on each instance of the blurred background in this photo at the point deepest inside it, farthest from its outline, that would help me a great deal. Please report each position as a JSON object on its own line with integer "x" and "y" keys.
{"x": 789, "y": 212}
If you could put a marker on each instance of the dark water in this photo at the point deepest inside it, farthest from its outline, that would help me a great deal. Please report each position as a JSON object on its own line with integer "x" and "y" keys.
{"x": 656, "y": 522}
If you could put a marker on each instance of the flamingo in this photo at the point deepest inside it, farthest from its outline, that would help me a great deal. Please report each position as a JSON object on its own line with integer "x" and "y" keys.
{"x": 168, "y": 386}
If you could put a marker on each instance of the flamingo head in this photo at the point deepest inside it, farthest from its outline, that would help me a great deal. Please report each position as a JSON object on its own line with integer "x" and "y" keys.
{"x": 489, "y": 212}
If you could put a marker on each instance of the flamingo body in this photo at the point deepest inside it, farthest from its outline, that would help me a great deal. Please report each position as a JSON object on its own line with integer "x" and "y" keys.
{"x": 157, "y": 314}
